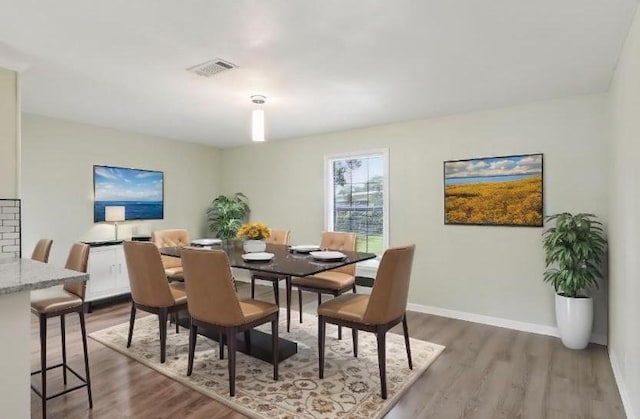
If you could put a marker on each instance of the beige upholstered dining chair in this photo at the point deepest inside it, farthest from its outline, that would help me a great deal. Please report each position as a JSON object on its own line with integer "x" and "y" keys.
{"x": 41, "y": 250}
{"x": 336, "y": 281}
{"x": 150, "y": 290}
{"x": 171, "y": 238}
{"x": 378, "y": 312}
{"x": 276, "y": 237}
{"x": 57, "y": 302}
{"x": 214, "y": 305}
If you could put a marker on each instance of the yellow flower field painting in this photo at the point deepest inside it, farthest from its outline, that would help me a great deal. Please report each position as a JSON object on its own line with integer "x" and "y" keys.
{"x": 494, "y": 191}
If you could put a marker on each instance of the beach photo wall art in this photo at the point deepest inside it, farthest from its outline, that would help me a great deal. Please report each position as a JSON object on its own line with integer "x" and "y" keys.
{"x": 498, "y": 191}
{"x": 140, "y": 192}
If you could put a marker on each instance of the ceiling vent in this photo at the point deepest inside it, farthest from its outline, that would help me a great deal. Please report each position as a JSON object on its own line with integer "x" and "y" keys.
{"x": 211, "y": 68}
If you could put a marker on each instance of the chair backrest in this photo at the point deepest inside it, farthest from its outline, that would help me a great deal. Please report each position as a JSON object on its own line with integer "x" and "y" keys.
{"x": 278, "y": 236}
{"x": 337, "y": 240}
{"x": 388, "y": 300}
{"x": 211, "y": 296}
{"x": 42, "y": 250}
{"x": 78, "y": 260}
{"x": 149, "y": 285}
{"x": 170, "y": 238}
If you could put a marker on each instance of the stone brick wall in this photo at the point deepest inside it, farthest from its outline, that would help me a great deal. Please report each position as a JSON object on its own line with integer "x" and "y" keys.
{"x": 10, "y": 228}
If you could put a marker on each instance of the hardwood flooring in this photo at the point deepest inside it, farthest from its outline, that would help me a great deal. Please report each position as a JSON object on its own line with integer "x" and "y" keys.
{"x": 485, "y": 372}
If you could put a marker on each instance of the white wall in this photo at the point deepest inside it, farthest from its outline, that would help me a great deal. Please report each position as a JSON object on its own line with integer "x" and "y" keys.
{"x": 8, "y": 133}
{"x": 57, "y": 181}
{"x": 14, "y": 308}
{"x": 624, "y": 241}
{"x": 491, "y": 271}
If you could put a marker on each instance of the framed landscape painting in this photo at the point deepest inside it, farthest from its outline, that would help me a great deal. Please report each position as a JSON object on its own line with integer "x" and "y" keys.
{"x": 500, "y": 191}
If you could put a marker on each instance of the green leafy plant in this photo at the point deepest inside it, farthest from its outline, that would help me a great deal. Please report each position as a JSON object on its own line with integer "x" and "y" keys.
{"x": 574, "y": 249}
{"x": 226, "y": 214}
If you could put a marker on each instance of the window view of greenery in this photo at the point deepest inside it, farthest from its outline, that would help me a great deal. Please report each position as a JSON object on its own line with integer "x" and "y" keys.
{"x": 358, "y": 193}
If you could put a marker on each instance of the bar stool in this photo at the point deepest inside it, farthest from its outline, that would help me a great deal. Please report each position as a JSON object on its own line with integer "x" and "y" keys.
{"x": 42, "y": 250}
{"x": 59, "y": 302}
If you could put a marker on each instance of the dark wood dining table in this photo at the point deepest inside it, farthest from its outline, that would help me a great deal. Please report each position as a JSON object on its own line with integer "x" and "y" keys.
{"x": 286, "y": 263}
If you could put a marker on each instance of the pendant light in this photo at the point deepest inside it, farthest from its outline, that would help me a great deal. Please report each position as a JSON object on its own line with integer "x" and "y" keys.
{"x": 257, "y": 119}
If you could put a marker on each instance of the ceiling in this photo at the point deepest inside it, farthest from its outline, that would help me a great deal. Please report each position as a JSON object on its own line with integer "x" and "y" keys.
{"x": 324, "y": 66}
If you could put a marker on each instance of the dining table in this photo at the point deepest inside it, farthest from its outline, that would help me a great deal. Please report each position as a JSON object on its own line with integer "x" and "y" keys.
{"x": 286, "y": 262}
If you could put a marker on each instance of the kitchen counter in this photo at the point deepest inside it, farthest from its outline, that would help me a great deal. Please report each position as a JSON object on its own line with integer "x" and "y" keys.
{"x": 17, "y": 278}
{"x": 17, "y": 275}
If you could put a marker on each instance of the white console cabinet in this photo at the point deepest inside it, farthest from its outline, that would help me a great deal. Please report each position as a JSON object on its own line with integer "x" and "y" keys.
{"x": 107, "y": 273}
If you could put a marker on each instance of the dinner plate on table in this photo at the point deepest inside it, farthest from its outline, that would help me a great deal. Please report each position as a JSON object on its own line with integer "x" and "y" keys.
{"x": 206, "y": 242}
{"x": 257, "y": 257}
{"x": 328, "y": 256}
{"x": 304, "y": 248}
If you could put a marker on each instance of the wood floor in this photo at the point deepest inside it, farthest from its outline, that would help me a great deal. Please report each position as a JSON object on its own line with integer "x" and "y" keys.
{"x": 485, "y": 372}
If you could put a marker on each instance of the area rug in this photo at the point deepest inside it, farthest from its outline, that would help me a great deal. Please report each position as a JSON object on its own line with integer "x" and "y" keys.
{"x": 350, "y": 388}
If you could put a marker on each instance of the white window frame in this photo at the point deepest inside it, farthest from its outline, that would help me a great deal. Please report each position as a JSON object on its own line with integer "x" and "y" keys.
{"x": 366, "y": 268}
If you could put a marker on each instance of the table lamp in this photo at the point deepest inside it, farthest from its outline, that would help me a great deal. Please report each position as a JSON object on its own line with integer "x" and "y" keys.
{"x": 114, "y": 214}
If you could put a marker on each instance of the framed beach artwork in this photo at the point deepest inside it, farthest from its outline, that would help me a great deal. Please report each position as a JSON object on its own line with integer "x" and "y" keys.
{"x": 139, "y": 191}
{"x": 497, "y": 191}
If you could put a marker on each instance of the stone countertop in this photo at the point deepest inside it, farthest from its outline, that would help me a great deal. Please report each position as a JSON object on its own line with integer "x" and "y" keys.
{"x": 17, "y": 275}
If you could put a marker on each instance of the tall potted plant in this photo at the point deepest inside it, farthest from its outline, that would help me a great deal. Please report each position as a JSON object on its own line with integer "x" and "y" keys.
{"x": 226, "y": 214}
{"x": 574, "y": 249}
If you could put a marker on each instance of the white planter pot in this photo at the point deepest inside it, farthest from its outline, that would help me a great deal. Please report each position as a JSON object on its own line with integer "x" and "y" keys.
{"x": 575, "y": 321}
{"x": 252, "y": 246}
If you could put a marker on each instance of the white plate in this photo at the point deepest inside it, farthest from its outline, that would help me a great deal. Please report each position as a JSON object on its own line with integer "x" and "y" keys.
{"x": 206, "y": 242}
{"x": 304, "y": 248}
{"x": 328, "y": 255}
{"x": 258, "y": 257}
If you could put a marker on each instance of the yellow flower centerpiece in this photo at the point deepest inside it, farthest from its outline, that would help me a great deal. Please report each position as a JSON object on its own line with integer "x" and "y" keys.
{"x": 254, "y": 235}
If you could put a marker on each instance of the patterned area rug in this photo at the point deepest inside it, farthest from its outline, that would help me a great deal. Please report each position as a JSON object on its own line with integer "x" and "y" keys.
{"x": 350, "y": 389}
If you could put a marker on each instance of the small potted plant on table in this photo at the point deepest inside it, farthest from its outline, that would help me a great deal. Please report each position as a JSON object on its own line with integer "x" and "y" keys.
{"x": 574, "y": 249}
{"x": 254, "y": 235}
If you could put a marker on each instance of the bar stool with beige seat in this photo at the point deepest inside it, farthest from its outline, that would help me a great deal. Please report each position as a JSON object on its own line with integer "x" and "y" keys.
{"x": 276, "y": 236}
{"x": 377, "y": 313}
{"x": 59, "y": 302}
{"x": 150, "y": 290}
{"x": 336, "y": 281}
{"x": 41, "y": 250}
{"x": 214, "y": 305}
{"x": 171, "y": 238}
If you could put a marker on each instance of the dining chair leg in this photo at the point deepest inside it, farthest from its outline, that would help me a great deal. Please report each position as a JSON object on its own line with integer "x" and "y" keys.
{"x": 64, "y": 350}
{"x": 382, "y": 361}
{"x": 300, "y": 303}
{"x": 321, "y": 333}
{"x": 276, "y": 293}
{"x": 193, "y": 334}
{"x": 287, "y": 283}
{"x": 175, "y": 319}
{"x": 253, "y": 287}
{"x": 132, "y": 320}
{"x": 247, "y": 341}
{"x": 231, "y": 347}
{"x": 406, "y": 340}
{"x": 83, "y": 330}
{"x": 43, "y": 363}
{"x": 221, "y": 346}
{"x": 162, "y": 318}
{"x": 274, "y": 347}
{"x": 354, "y": 337}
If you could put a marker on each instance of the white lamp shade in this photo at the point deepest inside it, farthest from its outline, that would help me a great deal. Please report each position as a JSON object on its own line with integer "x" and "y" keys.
{"x": 114, "y": 213}
{"x": 257, "y": 125}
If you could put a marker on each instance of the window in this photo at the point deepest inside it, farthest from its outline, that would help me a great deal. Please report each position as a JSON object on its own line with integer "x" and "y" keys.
{"x": 357, "y": 197}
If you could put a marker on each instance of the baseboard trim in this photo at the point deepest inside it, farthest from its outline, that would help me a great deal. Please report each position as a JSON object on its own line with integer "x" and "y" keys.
{"x": 539, "y": 329}
{"x": 622, "y": 389}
